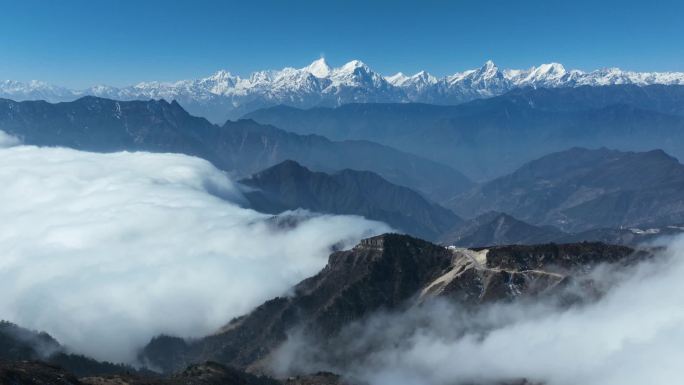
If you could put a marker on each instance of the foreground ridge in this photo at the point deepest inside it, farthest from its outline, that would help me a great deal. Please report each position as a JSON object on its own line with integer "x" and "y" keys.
{"x": 389, "y": 272}
{"x": 384, "y": 273}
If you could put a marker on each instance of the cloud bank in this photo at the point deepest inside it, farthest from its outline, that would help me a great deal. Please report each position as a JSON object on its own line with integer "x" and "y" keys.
{"x": 104, "y": 251}
{"x": 631, "y": 336}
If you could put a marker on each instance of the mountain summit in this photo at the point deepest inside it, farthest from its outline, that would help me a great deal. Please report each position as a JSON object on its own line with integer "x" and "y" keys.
{"x": 319, "y": 68}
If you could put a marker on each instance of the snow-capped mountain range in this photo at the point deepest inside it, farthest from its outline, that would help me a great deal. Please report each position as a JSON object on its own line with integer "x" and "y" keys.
{"x": 224, "y": 96}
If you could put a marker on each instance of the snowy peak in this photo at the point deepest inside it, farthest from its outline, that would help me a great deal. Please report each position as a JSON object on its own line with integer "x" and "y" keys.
{"x": 545, "y": 75}
{"x": 398, "y": 79}
{"x": 487, "y": 75}
{"x": 485, "y": 81}
{"x": 488, "y": 70}
{"x": 352, "y": 66}
{"x": 354, "y": 70}
{"x": 219, "y": 82}
{"x": 318, "y": 68}
{"x": 223, "y": 95}
{"x": 551, "y": 70}
{"x": 356, "y": 74}
{"x": 424, "y": 77}
{"x": 221, "y": 76}
{"x": 420, "y": 79}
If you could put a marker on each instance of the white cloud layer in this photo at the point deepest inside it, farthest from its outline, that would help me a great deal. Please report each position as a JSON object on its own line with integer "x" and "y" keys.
{"x": 104, "y": 251}
{"x": 634, "y": 335}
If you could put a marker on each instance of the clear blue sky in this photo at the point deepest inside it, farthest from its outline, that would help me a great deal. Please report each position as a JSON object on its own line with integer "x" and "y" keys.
{"x": 80, "y": 43}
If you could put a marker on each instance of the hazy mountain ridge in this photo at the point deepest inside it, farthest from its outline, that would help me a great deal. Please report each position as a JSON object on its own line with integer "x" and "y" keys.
{"x": 242, "y": 147}
{"x": 494, "y": 228}
{"x": 582, "y": 189}
{"x": 491, "y": 137}
{"x": 288, "y": 186}
{"x": 224, "y": 95}
{"x": 498, "y": 229}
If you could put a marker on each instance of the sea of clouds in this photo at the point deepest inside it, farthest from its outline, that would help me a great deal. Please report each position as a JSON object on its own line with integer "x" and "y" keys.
{"x": 105, "y": 251}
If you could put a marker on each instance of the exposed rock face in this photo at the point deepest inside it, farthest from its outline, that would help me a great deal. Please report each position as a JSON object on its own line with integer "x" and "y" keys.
{"x": 288, "y": 186}
{"x": 512, "y": 272}
{"x": 387, "y": 272}
{"x": 472, "y": 280}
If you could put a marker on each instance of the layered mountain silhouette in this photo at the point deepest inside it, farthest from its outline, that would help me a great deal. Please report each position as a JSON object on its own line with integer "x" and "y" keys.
{"x": 243, "y": 147}
{"x": 582, "y": 189}
{"x": 491, "y": 137}
{"x": 289, "y": 186}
